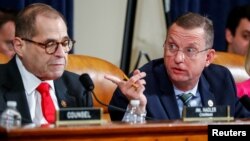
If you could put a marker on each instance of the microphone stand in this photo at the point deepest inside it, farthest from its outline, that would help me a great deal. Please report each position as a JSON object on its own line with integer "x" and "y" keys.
{"x": 109, "y": 106}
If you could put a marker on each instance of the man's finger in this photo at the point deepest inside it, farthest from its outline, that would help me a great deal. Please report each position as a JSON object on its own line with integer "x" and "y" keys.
{"x": 113, "y": 79}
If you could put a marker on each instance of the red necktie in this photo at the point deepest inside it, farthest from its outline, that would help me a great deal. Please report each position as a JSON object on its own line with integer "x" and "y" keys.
{"x": 48, "y": 107}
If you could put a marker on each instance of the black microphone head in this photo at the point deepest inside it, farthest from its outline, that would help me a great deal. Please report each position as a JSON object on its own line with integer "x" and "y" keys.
{"x": 87, "y": 82}
{"x": 245, "y": 100}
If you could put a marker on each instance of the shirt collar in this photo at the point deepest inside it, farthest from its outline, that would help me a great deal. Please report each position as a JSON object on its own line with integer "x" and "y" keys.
{"x": 30, "y": 81}
{"x": 193, "y": 91}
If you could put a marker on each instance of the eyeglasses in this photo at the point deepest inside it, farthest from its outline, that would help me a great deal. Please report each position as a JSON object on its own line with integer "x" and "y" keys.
{"x": 51, "y": 46}
{"x": 189, "y": 51}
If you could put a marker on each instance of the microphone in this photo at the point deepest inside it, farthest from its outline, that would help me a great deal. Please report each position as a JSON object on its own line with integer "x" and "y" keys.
{"x": 89, "y": 85}
{"x": 87, "y": 82}
{"x": 245, "y": 100}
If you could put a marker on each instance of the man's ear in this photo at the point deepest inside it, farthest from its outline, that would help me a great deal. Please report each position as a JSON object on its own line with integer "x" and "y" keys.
{"x": 228, "y": 35}
{"x": 210, "y": 57}
{"x": 18, "y": 46}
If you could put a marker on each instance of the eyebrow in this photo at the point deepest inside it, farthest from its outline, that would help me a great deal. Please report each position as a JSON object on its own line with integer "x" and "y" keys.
{"x": 195, "y": 44}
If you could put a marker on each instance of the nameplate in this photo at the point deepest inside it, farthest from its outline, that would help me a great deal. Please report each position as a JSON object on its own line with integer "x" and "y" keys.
{"x": 218, "y": 113}
{"x": 86, "y": 115}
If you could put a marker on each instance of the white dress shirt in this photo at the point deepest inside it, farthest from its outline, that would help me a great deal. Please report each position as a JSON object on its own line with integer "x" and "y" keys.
{"x": 31, "y": 82}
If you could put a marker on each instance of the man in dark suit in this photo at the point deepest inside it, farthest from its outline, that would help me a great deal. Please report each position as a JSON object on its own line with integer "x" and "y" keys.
{"x": 41, "y": 45}
{"x": 185, "y": 70}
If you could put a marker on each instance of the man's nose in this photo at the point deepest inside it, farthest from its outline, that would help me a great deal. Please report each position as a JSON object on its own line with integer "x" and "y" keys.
{"x": 180, "y": 56}
{"x": 60, "y": 51}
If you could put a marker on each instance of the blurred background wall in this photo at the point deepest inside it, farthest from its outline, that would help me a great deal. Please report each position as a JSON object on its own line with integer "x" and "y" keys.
{"x": 98, "y": 28}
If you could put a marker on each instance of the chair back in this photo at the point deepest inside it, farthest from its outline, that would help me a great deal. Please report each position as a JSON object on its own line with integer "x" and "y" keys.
{"x": 234, "y": 62}
{"x": 96, "y": 68}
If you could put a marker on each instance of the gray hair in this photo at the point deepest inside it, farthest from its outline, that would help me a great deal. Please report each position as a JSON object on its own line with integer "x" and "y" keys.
{"x": 26, "y": 19}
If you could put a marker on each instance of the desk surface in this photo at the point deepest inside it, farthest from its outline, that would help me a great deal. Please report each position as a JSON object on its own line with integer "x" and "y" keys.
{"x": 153, "y": 130}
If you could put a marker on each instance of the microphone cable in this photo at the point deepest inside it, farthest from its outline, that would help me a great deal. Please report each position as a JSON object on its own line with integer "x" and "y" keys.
{"x": 87, "y": 82}
{"x": 109, "y": 106}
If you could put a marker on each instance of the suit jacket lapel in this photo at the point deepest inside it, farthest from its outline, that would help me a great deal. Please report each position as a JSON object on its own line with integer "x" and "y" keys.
{"x": 207, "y": 97}
{"x": 14, "y": 90}
{"x": 168, "y": 98}
{"x": 61, "y": 91}
{"x": 63, "y": 96}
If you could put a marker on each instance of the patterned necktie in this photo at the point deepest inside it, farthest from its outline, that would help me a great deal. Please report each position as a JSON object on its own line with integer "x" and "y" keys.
{"x": 48, "y": 107}
{"x": 185, "y": 98}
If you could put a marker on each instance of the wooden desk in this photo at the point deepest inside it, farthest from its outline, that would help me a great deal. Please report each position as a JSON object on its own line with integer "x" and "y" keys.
{"x": 114, "y": 131}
